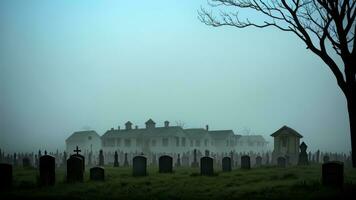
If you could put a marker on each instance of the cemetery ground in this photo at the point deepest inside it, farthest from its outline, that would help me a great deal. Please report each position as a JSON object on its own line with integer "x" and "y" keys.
{"x": 186, "y": 183}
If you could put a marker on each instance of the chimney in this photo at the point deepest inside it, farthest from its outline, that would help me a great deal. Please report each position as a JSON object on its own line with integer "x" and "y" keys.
{"x": 166, "y": 124}
{"x": 150, "y": 124}
{"x": 207, "y": 127}
{"x": 128, "y": 125}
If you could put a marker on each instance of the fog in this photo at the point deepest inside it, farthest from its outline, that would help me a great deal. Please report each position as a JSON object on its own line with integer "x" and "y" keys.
{"x": 67, "y": 66}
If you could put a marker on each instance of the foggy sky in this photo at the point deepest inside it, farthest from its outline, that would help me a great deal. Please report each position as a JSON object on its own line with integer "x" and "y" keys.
{"x": 67, "y": 65}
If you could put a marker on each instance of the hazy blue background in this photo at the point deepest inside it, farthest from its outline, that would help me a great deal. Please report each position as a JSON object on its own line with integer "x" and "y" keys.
{"x": 65, "y": 65}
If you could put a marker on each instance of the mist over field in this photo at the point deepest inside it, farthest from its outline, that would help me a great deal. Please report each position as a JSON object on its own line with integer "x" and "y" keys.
{"x": 76, "y": 65}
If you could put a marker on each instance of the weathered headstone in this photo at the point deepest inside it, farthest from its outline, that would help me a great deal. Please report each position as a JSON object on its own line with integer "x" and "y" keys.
{"x": 165, "y": 164}
{"x": 26, "y": 163}
{"x": 77, "y": 150}
{"x": 126, "y": 162}
{"x": 195, "y": 162}
{"x": 64, "y": 159}
{"x": 226, "y": 164}
{"x": 333, "y": 174}
{"x": 97, "y": 174}
{"x": 303, "y": 156}
{"x": 178, "y": 164}
{"x": 326, "y": 159}
{"x": 206, "y": 166}
{"x": 15, "y": 160}
{"x": 245, "y": 162}
{"x": 90, "y": 158}
{"x": 116, "y": 159}
{"x": 101, "y": 158}
{"x": 75, "y": 169}
{"x": 5, "y": 176}
{"x": 281, "y": 162}
{"x": 139, "y": 166}
{"x": 258, "y": 161}
{"x": 318, "y": 156}
{"x": 47, "y": 170}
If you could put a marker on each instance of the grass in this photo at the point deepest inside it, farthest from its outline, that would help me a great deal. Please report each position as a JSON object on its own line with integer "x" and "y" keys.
{"x": 186, "y": 183}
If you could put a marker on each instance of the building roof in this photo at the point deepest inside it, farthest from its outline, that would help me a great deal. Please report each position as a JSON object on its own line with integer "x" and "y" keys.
{"x": 221, "y": 134}
{"x": 157, "y": 131}
{"x": 78, "y": 135}
{"x": 150, "y": 121}
{"x": 252, "y": 138}
{"x": 285, "y": 130}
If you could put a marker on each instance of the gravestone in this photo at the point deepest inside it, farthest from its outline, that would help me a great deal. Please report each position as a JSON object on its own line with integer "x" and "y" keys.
{"x": 318, "y": 156}
{"x": 258, "y": 161}
{"x": 15, "y": 160}
{"x": 178, "y": 161}
{"x": 326, "y": 159}
{"x": 77, "y": 150}
{"x": 303, "y": 156}
{"x": 333, "y": 174}
{"x": 139, "y": 166}
{"x": 232, "y": 159}
{"x": 226, "y": 164}
{"x": 64, "y": 159}
{"x": 126, "y": 162}
{"x": 47, "y": 170}
{"x": 90, "y": 158}
{"x": 101, "y": 158}
{"x": 267, "y": 159}
{"x": 97, "y": 174}
{"x": 206, "y": 166}
{"x": 26, "y": 163}
{"x": 165, "y": 164}
{"x": 116, "y": 159}
{"x": 281, "y": 162}
{"x": 75, "y": 169}
{"x": 5, "y": 176}
{"x": 245, "y": 162}
{"x": 195, "y": 162}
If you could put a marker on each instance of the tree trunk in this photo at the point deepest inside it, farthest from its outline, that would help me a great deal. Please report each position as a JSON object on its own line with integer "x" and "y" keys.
{"x": 351, "y": 105}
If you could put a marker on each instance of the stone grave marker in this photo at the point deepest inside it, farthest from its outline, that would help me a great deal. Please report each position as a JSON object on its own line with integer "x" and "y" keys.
{"x": 139, "y": 166}
{"x": 333, "y": 174}
{"x": 165, "y": 164}
{"x": 226, "y": 164}
{"x": 116, "y": 159}
{"x": 281, "y": 162}
{"x": 206, "y": 166}
{"x": 245, "y": 162}
{"x": 97, "y": 174}
{"x": 195, "y": 162}
{"x": 178, "y": 164}
{"x": 5, "y": 176}
{"x": 126, "y": 162}
{"x": 101, "y": 158}
{"x": 303, "y": 156}
{"x": 47, "y": 170}
{"x": 75, "y": 172}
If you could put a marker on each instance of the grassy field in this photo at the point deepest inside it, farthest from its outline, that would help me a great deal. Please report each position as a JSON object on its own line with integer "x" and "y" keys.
{"x": 186, "y": 183}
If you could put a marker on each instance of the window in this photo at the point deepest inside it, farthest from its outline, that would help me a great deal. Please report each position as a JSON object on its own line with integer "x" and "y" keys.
{"x": 177, "y": 141}
{"x": 206, "y": 143}
{"x": 197, "y": 143}
{"x": 284, "y": 141}
{"x": 183, "y": 142}
{"x": 118, "y": 141}
{"x": 110, "y": 142}
{"x": 89, "y": 138}
{"x": 153, "y": 143}
{"x": 165, "y": 142}
{"x": 127, "y": 142}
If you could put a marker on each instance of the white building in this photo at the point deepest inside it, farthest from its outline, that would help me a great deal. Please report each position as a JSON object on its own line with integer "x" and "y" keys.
{"x": 167, "y": 139}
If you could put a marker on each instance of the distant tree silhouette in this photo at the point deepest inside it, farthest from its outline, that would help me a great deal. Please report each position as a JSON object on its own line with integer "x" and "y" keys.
{"x": 323, "y": 25}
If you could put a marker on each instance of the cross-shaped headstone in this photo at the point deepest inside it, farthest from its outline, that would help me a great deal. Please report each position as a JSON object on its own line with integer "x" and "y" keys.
{"x": 77, "y": 150}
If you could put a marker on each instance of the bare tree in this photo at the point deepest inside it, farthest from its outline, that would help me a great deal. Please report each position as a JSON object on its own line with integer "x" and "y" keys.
{"x": 327, "y": 27}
